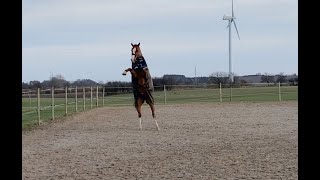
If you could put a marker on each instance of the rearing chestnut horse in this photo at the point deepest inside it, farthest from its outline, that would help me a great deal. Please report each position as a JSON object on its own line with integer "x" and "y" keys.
{"x": 141, "y": 82}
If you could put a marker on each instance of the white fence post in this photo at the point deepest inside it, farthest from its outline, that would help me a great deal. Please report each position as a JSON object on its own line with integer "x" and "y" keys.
{"x": 230, "y": 92}
{"x": 29, "y": 101}
{"x": 76, "y": 92}
{"x": 165, "y": 94}
{"x": 220, "y": 94}
{"x": 103, "y": 96}
{"x": 38, "y": 106}
{"x": 279, "y": 92}
{"x": 91, "y": 97}
{"x": 97, "y": 97}
{"x": 66, "y": 100}
{"x": 84, "y": 98}
{"x": 52, "y": 102}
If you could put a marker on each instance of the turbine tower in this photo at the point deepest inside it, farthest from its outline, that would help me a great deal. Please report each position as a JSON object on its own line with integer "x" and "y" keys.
{"x": 231, "y": 19}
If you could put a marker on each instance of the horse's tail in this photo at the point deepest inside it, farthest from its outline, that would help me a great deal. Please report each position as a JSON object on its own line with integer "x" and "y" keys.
{"x": 149, "y": 81}
{"x": 149, "y": 94}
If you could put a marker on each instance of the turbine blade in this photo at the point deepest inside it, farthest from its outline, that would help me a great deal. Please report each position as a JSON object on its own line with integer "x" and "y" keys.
{"x": 227, "y": 26}
{"x": 232, "y": 9}
{"x": 234, "y": 22}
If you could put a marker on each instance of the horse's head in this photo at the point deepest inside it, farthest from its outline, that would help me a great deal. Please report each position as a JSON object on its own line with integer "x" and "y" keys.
{"x": 135, "y": 52}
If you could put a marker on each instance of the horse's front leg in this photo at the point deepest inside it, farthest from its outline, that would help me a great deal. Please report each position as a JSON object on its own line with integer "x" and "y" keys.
{"x": 125, "y": 71}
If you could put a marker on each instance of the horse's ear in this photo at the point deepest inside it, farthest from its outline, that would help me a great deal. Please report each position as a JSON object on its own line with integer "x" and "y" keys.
{"x": 131, "y": 44}
{"x": 139, "y": 44}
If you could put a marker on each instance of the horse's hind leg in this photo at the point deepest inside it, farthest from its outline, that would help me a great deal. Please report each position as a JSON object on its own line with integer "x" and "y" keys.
{"x": 151, "y": 107}
{"x": 138, "y": 107}
{"x": 151, "y": 104}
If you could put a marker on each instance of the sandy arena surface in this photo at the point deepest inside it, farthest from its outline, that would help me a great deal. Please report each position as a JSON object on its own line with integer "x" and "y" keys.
{"x": 195, "y": 141}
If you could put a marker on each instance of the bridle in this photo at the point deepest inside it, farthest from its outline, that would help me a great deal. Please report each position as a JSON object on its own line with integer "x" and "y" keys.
{"x": 136, "y": 47}
{"x": 134, "y": 53}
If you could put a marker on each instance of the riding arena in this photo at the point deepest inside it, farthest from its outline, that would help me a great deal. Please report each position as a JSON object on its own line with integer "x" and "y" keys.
{"x": 162, "y": 140}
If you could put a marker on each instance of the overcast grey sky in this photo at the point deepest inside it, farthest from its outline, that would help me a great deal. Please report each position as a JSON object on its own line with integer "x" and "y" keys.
{"x": 82, "y": 39}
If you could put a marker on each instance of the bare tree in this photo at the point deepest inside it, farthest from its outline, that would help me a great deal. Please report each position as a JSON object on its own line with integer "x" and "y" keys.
{"x": 25, "y": 85}
{"x": 281, "y": 78}
{"x": 35, "y": 84}
{"x": 169, "y": 81}
{"x": 58, "y": 81}
{"x": 293, "y": 80}
{"x": 219, "y": 77}
{"x": 267, "y": 78}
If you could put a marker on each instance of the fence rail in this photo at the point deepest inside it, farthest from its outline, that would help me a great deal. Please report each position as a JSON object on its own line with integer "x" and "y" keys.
{"x": 48, "y": 104}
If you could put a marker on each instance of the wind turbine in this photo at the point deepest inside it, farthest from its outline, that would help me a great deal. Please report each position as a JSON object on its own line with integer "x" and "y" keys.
{"x": 231, "y": 19}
